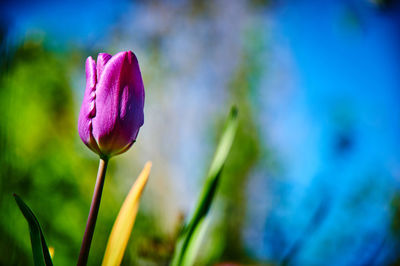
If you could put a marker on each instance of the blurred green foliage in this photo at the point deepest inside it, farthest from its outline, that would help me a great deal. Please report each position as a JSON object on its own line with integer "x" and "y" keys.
{"x": 45, "y": 162}
{"x": 42, "y": 159}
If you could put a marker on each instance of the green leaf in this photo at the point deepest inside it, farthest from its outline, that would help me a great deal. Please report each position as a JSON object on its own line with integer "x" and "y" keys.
{"x": 187, "y": 237}
{"x": 195, "y": 241}
{"x": 41, "y": 256}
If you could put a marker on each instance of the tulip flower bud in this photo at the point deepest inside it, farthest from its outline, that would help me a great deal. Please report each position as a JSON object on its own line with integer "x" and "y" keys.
{"x": 112, "y": 108}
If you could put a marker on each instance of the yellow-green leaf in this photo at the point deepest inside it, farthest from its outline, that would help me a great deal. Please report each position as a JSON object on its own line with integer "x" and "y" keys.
{"x": 51, "y": 252}
{"x": 123, "y": 225}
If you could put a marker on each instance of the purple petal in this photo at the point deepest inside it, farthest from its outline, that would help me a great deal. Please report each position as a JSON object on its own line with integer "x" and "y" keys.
{"x": 102, "y": 60}
{"x": 88, "y": 108}
{"x": 119, "y": 101}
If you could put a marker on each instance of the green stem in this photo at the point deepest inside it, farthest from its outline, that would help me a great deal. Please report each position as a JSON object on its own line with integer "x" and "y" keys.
{"x": 94, "y": 210}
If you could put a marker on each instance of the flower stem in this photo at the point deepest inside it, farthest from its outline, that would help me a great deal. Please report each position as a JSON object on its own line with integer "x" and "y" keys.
{"x": 94, "y": 209}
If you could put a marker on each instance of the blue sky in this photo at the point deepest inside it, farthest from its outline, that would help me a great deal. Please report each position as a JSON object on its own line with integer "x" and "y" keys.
{"x": 344, "y": 58}
{"x": 82, "y": 23}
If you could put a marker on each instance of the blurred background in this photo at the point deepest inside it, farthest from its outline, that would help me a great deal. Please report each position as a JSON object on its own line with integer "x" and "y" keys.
{"x": 313, "y": 177}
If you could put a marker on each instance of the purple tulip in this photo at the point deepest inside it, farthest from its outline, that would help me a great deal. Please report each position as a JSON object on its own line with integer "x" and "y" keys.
{"x": 112, "y": 108}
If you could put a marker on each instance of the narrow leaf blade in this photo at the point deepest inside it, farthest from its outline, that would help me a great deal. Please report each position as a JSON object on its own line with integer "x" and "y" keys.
{"x": 209, "y": 189}
{"x": 40, "y": 250}
{"x": 123, "y": 225}
{"x": 195, "y": 241}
